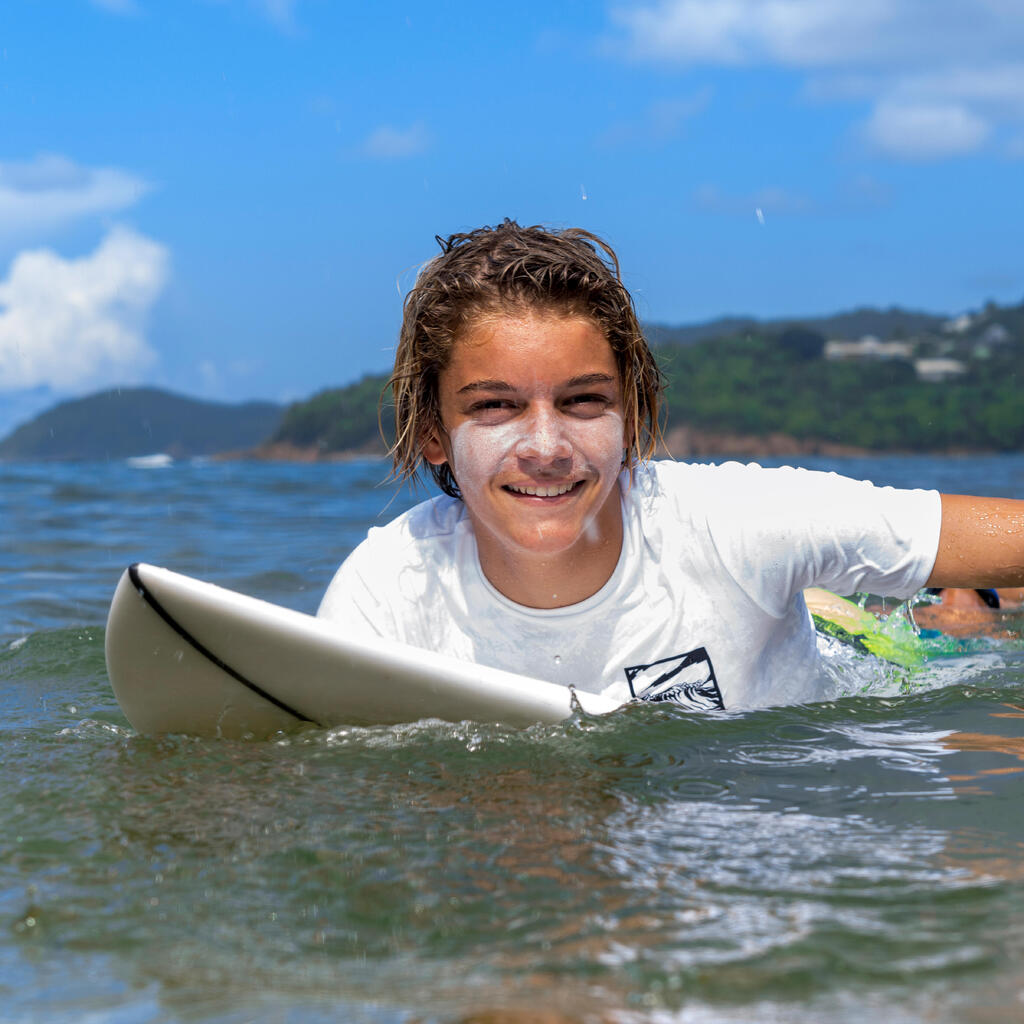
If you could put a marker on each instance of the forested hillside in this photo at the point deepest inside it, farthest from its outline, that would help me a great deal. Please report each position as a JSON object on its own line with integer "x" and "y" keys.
{"x": 339, "y": 419}
{"x": 140, "y": 421}
{"x": 776, "y": 379}
{"x": 914, "y": 383}
{"x": 755, "y": 386}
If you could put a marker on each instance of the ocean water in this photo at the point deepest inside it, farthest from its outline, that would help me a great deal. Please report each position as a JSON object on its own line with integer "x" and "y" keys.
{"x": 815, "y": 863}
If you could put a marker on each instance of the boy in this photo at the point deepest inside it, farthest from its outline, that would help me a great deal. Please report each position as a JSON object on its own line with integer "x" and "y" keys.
{"x": 523, "y": 381}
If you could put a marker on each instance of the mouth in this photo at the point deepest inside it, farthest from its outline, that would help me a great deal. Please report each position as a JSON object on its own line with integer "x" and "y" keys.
{"x": 542, "y": 490}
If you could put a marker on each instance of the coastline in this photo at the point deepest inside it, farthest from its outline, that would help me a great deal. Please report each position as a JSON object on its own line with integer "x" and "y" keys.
{"x": 678, "y": 443}
{"x": 285, "y": 452}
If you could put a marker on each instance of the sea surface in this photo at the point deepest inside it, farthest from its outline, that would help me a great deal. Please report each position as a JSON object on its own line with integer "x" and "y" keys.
{"x": 841, "y": 861}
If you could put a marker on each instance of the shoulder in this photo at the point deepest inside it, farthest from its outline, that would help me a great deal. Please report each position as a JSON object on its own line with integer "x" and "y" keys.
{"x": 760, "y": 502}
{"x": 729, "y": 479}
{"x": 424, "y": 536}
{"x": 695, "y": 485}
{"x": 430, "y": 522}
{"x": 394, "y": 565}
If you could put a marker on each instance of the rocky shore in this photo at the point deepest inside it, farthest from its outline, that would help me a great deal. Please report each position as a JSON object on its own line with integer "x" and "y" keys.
{"x": 684, "y": 442}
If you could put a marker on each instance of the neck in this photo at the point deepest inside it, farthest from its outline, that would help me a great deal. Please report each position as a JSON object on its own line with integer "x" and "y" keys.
{"x": 554, "y": 580}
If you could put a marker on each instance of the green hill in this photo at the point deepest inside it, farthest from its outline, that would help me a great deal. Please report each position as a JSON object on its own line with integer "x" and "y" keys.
{"x": 339, "y": 419}
{"x": 884, "y": 323}
{"x": 760, "y": 379}
{"x": 756, "y": 386}
{"x": 140, "y": 421}
{"x": 730, "y": 378}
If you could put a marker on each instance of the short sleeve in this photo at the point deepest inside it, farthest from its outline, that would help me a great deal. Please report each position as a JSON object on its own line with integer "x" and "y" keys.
{"x": 779, "y": 531}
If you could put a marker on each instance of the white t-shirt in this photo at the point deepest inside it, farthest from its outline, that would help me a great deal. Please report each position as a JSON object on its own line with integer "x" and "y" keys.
{"x": 704, "y": 607}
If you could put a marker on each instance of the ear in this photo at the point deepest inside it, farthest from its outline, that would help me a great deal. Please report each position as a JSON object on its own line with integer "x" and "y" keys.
{"x": 434, "y": 450}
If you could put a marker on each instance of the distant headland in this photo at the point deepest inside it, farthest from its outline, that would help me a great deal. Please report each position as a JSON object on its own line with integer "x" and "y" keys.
{"x": 866, "y": 380}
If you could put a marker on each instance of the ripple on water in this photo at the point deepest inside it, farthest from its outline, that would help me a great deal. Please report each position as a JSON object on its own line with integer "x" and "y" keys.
{"x": 774, "y": 754}
{"x": 692, "y": 788}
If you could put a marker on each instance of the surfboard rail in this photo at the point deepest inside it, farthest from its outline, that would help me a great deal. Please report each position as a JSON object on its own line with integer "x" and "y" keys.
{"x": 187, "y": 656}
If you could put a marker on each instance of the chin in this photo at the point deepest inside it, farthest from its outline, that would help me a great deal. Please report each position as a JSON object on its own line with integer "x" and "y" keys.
{"x": 553, "y": 543}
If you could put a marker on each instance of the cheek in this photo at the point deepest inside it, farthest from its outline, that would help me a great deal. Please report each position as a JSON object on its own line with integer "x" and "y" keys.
{"x": 478, "y": 452}
{"x": 603, "y": 437}
{"x": 599, "y": 443}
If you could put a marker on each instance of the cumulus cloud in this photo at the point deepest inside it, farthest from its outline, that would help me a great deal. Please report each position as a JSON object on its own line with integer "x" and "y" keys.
{"x": 51, "y": 190}
{"x": 927, "y": 66}
{"x": 925, "y": 131}
{"x": 78, "y": 323}
{"x": 802, "y": 32}
{"x": 390, "y": 143}
{"x": 816, "y": 33}
{"x": 280, "y": 12}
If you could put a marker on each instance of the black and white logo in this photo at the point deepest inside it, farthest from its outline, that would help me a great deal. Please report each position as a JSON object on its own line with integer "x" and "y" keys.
{"x": 687, "y": 679}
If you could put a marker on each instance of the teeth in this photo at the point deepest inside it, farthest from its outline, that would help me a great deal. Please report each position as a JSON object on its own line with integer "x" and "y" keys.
{"x": 543, "y": 492}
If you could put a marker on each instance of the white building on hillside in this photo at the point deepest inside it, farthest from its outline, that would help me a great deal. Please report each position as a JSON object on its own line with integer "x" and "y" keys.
{"x": 938, "y": 369}
{"x": 868, "y": 347}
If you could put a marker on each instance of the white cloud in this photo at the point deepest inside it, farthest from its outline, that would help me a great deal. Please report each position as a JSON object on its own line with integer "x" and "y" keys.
{"x": 792, "y": 32}
{"x": 75, "y": 324}
{"x": 998, "y": 86}
{"x": 823, "y": 33}
{"x": 279, "y": 12}
{"x": 390, "y": 143}
{"x": 925, "y": 131}
{"x": 995, "y": 88}
{"x": 927, "y": 68}
{"x": 51, "y": 190}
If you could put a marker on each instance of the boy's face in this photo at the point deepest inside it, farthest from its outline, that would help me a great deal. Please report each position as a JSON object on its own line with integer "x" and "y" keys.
{"x": 532, "y": 409}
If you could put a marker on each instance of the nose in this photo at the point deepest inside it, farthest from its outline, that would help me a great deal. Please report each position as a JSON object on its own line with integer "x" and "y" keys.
{"x": 544, "y": 439}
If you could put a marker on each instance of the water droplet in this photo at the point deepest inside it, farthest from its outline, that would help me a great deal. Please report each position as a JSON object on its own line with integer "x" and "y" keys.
{"x": 558, "y": 659}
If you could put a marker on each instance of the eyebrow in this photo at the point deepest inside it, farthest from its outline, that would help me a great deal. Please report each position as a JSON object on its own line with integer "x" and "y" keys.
{"x": 581, "y": 381}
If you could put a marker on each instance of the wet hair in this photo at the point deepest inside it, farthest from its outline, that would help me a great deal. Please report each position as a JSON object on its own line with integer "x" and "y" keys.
{"x": 511, "y": 269}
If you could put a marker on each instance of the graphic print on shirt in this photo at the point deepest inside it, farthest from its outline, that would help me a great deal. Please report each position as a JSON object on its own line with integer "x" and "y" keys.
{"x": 687, "y": 679}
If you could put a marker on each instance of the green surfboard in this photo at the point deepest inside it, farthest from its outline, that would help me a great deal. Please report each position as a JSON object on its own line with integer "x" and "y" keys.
{"x": 893, "y": 639}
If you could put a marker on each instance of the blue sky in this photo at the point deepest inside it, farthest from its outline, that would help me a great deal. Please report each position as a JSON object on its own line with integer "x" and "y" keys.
{"x": 229, "y": 198}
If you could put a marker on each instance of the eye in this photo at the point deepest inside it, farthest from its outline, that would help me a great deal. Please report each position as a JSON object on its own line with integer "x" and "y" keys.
{"x": 491, "y": 410}
{"x": 587, "y": 404}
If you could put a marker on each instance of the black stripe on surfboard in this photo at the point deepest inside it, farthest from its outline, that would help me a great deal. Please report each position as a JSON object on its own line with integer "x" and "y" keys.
{"x": 146, "y": 594}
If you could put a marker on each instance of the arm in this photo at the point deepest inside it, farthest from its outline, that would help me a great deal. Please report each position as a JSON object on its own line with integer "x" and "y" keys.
{"x": 981, "y": 543}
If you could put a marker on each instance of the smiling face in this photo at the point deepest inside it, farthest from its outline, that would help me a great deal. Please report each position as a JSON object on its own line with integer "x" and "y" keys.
{"x": 531, "y": 405}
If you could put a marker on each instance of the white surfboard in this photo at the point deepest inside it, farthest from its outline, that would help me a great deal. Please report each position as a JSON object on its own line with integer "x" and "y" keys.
{"x": 186, "y": 656}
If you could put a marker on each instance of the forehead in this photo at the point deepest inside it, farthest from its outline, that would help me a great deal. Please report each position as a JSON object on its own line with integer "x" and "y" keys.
{"x": 541, "y": 341}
